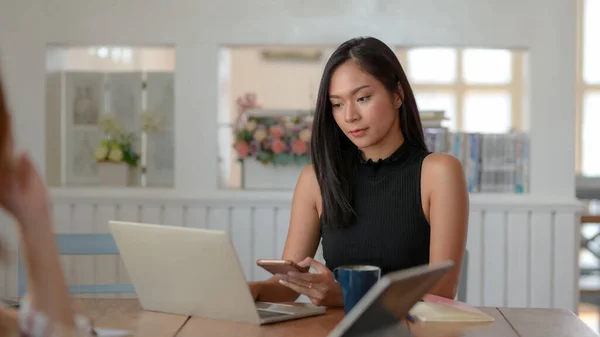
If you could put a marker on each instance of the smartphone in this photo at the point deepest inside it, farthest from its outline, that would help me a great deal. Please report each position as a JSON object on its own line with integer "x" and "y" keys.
{"x": 280, "y": 266}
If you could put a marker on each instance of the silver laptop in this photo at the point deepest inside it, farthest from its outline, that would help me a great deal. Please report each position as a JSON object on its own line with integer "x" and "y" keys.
{"x": 194, "y": 272}
{"x": 383, "y": 308}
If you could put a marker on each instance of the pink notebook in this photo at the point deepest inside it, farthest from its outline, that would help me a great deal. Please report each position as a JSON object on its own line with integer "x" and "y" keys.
{"x": 440, "y": 309}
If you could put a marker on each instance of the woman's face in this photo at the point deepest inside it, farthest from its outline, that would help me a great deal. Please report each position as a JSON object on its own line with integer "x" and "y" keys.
{"x": 362, "y": 107}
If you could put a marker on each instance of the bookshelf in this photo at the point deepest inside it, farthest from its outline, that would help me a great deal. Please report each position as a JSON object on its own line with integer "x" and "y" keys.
{"x": 493, "y": 163}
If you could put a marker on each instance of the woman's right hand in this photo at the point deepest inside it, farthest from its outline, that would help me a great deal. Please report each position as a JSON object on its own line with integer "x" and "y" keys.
{"x": 321, "y": 287}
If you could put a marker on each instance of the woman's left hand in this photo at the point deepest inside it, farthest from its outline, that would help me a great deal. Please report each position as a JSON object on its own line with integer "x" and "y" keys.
{"x": 320, "y": 287}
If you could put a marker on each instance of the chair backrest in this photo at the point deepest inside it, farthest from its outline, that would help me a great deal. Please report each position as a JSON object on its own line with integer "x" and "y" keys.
{"x": 462, "y": 285}
{"x": 81, "y": 244}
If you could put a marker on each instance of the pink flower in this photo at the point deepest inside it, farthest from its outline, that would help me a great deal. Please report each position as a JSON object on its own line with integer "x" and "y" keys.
{"x": 299, "y": 147}
{"x": 277, "y": 146}
{"x": 276, "y": 131}
{"x": 243, "y": 149}
{"x": 254, "y": 146}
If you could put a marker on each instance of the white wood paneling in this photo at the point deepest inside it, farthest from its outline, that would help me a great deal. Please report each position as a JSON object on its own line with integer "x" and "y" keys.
{"x": 493, "y": 270}
{"x": 475, "y": 246}
{"x": 520, "y": 255}
{"x": 517, "y": 261}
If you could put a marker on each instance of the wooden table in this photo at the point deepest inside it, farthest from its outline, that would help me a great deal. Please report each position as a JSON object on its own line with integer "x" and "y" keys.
{"x": 510, "y": 322}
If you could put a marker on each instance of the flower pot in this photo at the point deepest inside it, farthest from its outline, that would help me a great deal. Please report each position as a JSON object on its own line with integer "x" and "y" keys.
{"x": 257, "y": 176}
{"x": 115, "y": 174}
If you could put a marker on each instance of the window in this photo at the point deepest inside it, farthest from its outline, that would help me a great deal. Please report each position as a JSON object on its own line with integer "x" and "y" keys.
{"x": 439, "y": 100}
{"x": 284, "y": 79}
{"x": 432, "y": 65}
{"x": 486, "y": 112}
{"x": 588, "y": 90}
{"x": 110, "y": 116}
{"x": 591, "y": 136}
{"x": 591, "y": 44}
{"x": 478, "y": 89}
{"x": 484, "y": 66}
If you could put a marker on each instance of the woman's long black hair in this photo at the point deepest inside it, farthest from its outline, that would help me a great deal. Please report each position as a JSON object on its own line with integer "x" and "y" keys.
{"x": 334, "y": 156}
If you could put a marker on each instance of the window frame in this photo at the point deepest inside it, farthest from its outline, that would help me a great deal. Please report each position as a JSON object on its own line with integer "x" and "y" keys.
{"x": 581, "y": 89}
{"x": 460, "y": 88}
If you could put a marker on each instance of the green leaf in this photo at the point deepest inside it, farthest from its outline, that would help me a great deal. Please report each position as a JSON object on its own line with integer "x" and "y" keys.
{"x": 283, "y": 159}
{"x": 301, "y": 160}
{"x": 264, "y": 156}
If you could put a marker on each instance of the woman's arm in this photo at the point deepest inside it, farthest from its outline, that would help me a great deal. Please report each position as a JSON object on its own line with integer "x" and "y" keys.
{"x": 302, "y": 239}
{"x": 446, "y": 202}
{"x": 46, "y": 285}
{"x": 25, "y": 196}
{"x": 9, "y": 323}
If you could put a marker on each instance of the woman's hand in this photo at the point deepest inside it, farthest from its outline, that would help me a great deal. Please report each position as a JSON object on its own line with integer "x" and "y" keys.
{"x": 254, "y": 289}
{"x": 24, "y": 193}
{"x": 321, "y": 288}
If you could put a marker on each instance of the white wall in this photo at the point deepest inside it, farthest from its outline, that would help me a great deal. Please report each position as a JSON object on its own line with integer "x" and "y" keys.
{"x": 197, "y": 29}
{"x": 278, "y": 84}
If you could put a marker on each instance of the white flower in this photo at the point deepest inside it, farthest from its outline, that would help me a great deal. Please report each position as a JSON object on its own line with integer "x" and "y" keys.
{"x": 260, "y": 135}
{"x": 151, "y": 121}
{"x": 101, "y": 152}
{"x": 110, "y": 125}
{"x": 304, "y": 135}
{"x": 251, "y": 126}
{"x": 115, "y": 155}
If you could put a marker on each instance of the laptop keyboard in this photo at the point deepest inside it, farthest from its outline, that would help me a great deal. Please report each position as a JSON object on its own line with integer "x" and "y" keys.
{"x": 268, "y": 314}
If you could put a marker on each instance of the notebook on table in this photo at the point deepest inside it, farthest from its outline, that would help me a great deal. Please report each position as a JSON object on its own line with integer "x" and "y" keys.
{"x": 440, "y": 309}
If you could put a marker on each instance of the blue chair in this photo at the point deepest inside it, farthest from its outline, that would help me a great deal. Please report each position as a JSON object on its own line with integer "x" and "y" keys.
{"x": 81, "y": 244}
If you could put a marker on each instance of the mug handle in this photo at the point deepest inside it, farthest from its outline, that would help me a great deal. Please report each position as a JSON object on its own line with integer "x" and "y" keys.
{"x": 336, "y": 275}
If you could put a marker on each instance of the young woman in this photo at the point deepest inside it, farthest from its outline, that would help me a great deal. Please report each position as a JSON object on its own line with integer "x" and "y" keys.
{"x": 46, "y": 311}
{"x": 374, "y": 194}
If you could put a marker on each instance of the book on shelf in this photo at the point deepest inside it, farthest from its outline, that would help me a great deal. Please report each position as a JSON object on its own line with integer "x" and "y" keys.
{"x": 493, "y": 163}
{"x": 432, "y": 118}
{"x": 440, "y": 309}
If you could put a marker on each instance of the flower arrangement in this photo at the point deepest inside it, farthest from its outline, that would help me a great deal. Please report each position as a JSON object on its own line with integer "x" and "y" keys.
{"x": 273, "y": 140}
{"x": 117, "y": 145}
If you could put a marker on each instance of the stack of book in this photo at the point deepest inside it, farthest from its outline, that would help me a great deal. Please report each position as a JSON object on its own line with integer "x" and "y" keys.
{"x": 493, "y": 163}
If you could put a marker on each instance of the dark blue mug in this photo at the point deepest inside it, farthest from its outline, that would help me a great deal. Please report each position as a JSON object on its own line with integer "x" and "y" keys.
{"x": 355, "y": 282}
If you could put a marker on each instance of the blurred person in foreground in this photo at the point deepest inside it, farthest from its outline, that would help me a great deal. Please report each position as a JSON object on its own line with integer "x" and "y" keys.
{"x": 46, "y": 311}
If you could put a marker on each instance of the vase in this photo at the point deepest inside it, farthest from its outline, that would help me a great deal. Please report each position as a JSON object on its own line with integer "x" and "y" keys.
{"x": 115, "y": 174}
{"x": 258, "y": 176}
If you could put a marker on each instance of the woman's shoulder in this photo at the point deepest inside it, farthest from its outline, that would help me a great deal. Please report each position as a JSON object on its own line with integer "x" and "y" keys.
{"x": 442, "y": 174}
{"x": 441, "y": 166}
{"x": 307, "y": 187}
{"x": 308, "y": 178}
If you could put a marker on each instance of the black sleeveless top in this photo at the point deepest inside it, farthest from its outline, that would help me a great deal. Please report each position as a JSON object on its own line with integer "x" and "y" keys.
{"x": 390, "y": 230}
